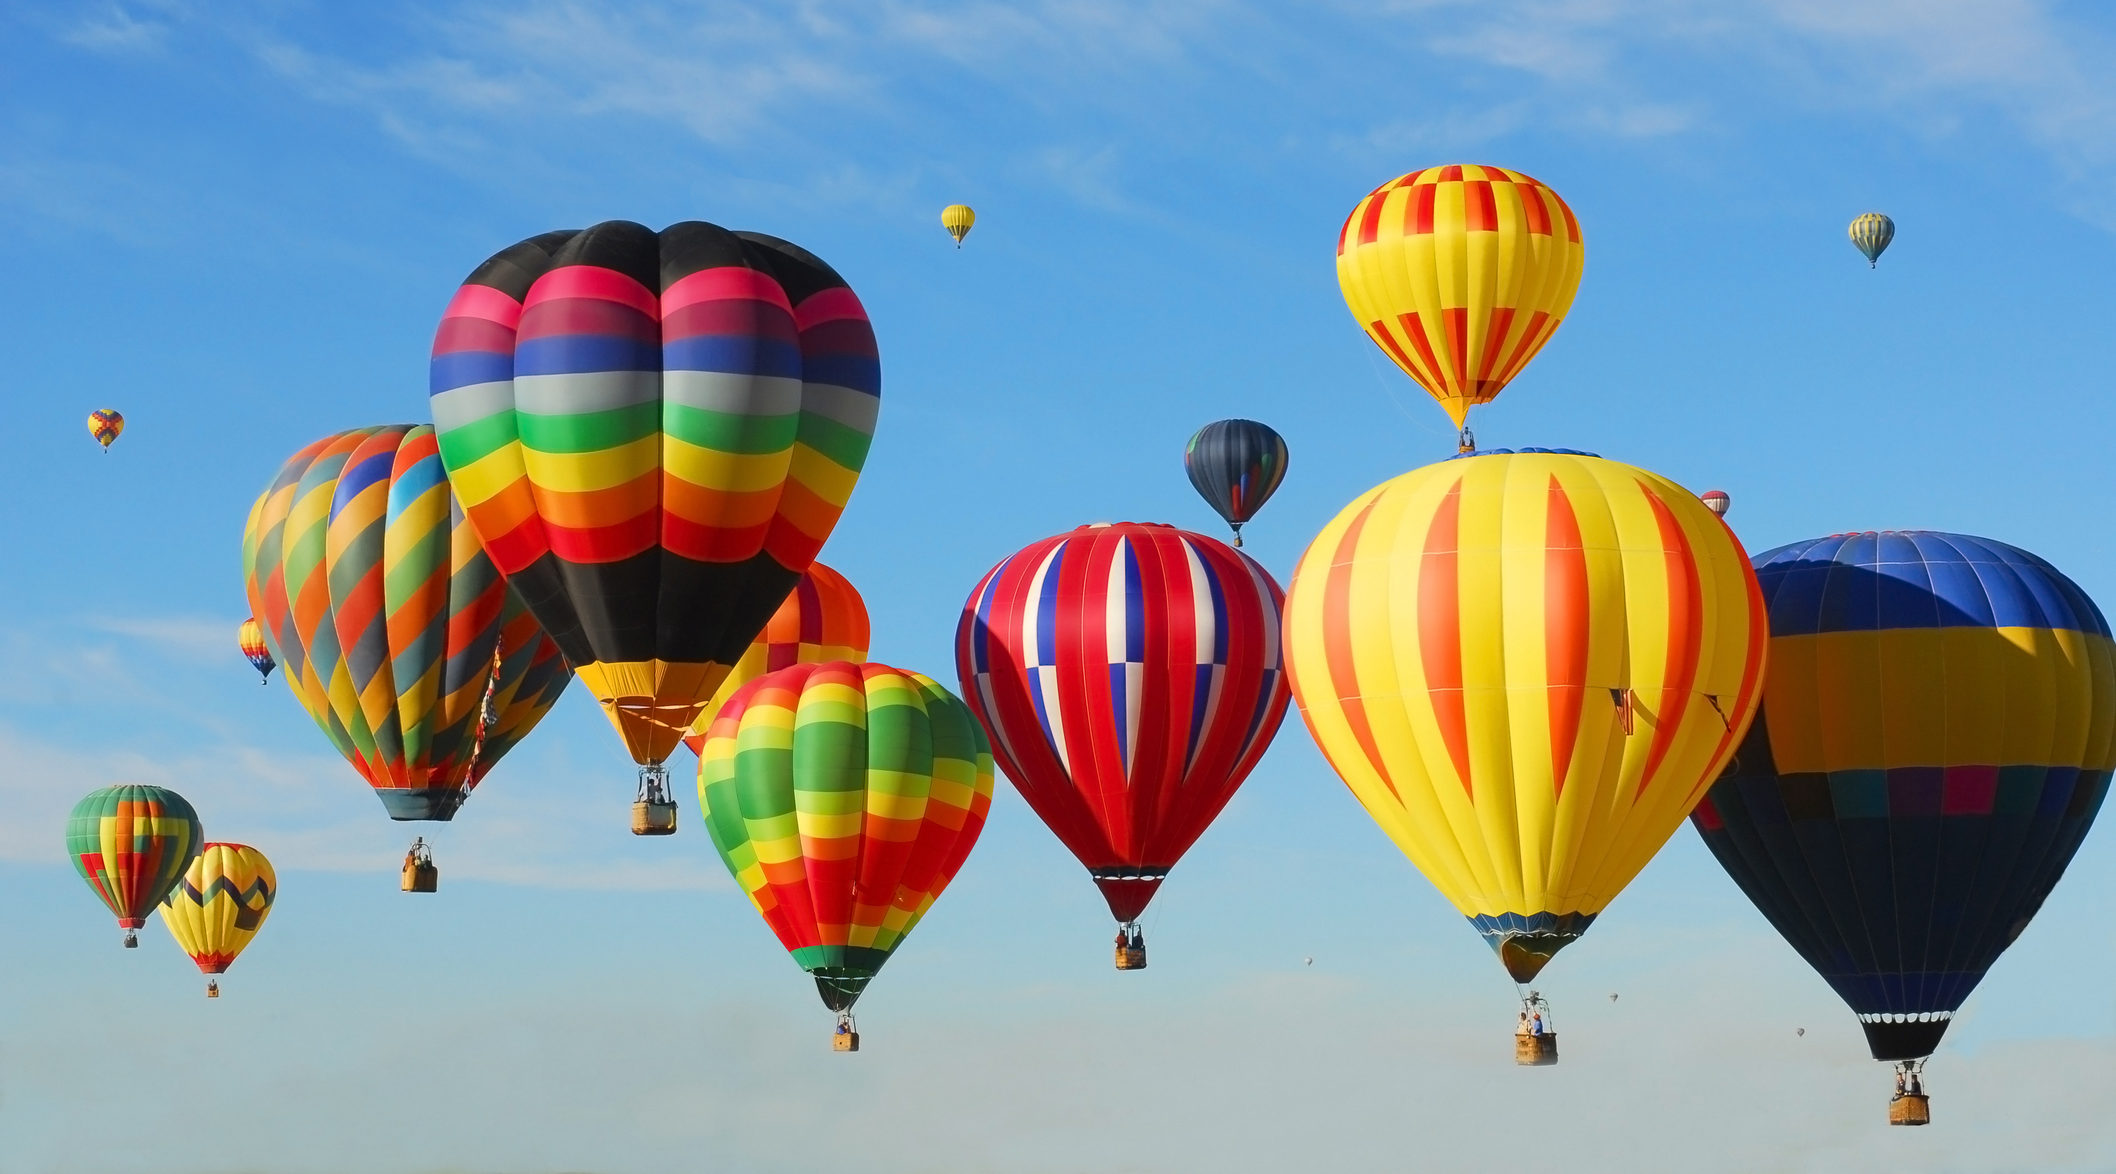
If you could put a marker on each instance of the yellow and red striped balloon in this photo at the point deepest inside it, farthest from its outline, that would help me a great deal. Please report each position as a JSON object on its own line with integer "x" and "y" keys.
{"x": 220, "y": 904}
{"x": 823, "y": 619}
{"x": 1460, "y": 274}
{"x": 1528, "y": 667}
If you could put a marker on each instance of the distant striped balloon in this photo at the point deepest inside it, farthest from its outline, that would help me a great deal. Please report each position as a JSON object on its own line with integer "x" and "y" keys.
{"x": 1129, "y": 678}
{"x": 957, "y": 219}
{"x": 219, "y": 905}
{"x": 249, "y": 637}
{"x": 654, "y": 433}
{"x": 1527, "y": 667}
{"x": 1460, "y": 274}
{"x": 106, "y": 425}
{"x": 1870, "y": 234}
{"x": 823, "y": 619}
{"x": 1236, "y": 465}
{"x": 1716, "y": 500}
{"x": 131, "y": 843}
{"x": 843, "y": 798}
{"x": 1937, "y": 734}
{"x": 398, "y": 635}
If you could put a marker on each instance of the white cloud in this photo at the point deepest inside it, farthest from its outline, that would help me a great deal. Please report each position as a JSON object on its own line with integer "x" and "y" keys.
{"x": 114, "y": 29}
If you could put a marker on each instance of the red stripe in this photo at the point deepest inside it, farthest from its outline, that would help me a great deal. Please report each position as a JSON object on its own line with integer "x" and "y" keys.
{"x": 1387, "y": 341}
{"x": 1480, "y": 213}
{"x": 606, "y": 544}
{"x": 1337, "y": 645}
{"x": 593, "y": 282}
{"x": 1572, "y": 226}
{"x": 1418, "y": 210}
{"x": 1370, "y": 219}
{"x": 1752, "y": 674}
{"x": 1539, "y": 324}
{"x": 1456, "y": 321}
{"x": 1567, "y": 620}
{"x": 1502, "y": 317}
{"x": 1440, "y": 630}
{"x": 1452, "y": 173}
{"x": 1533, "y": 208}
{"x": 1685, "y": 634}
{"x": 1414, "y": 328}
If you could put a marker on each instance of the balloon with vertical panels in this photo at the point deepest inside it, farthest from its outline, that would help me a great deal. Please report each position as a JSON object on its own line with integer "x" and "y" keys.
{"x": 654, "y": 433}
{"x": 398, "y": 635}
{"x": 1937, "y": 734}
{"x": 1870, "y": 233}
{"x": 1460, "y": 274}
{"x": 843, "y": 798}
{"x": 131, "y": 843}
{"x": 957, "y": 219}
{"x": 1236, "y": 465}
{"x": 823, "y": 619}
{"x": 1129, "y": 678}
{"x": 106, "y": 425}
{"x": 249, "y": 638}
{"x": 1527, "y": 667}
{"x": 219, "y": 905}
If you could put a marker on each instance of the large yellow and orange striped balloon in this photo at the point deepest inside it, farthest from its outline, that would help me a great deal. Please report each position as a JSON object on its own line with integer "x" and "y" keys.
{"x": 1460, "y": 273}
{"x": 1528, "y": 667}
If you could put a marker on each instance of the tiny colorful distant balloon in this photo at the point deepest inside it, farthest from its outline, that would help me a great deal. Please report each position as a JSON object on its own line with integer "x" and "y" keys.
{"x": 1871, "y": 234}
{"x": 131, "y": 843}
{"x": 106, "y": 425}
{"x": 957, "y": 219}
{"x": 249, "y": 636}
{"x": 1717, "y": 500}
{"x": 1236, "y": 465}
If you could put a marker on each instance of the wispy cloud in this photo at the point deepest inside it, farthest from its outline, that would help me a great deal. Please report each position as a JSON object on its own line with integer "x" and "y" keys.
{"x": 114, "y": 28}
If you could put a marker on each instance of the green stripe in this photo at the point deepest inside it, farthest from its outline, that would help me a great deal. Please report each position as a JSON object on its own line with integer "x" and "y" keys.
{"x": 590, "y": 431}
{"x": 742, "y": 434}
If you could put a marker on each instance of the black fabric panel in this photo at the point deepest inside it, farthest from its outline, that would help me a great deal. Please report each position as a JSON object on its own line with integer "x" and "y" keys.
{"x": 515, "y": 268}
{"x": 801, "y": 273}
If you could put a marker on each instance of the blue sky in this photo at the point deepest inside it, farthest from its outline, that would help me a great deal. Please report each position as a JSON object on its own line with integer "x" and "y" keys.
{"x": 238, "y": 222}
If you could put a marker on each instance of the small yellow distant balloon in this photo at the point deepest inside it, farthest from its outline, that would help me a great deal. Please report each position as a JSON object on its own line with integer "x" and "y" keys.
{"x": 957, "y": 219}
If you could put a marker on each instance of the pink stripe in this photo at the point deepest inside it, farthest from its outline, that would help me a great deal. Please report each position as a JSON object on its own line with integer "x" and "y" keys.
{"x": 593, "y": 281}
{"x": 830, "y": 305}
{"x": 483, "y": 301}
{"x": 727, "y": 281}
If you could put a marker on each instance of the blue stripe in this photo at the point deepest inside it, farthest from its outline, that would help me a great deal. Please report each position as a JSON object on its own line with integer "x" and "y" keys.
{"x": 1119, "y": 712}
{"x": 1917, "y": 579}
{"x": 1134, "y": 606}
{"x": 468, "y": 368}
{"x": 581, "y": 354}
{"x": 853, "y": 372}
{"x": 735, "y": 354}
{"x": 1047, "y": 609}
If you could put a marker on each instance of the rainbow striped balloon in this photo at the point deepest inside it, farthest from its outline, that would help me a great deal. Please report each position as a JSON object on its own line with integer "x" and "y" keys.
{"x": 844, "y": 798}
{"x": 823, "y": 619}
{"x": 1528, "y": 667}
{"x": 654, "y": 433}
{"x": 396, "y": 632}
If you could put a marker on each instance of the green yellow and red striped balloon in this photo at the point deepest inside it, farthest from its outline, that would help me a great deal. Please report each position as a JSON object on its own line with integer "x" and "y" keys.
{"x": 844, "y": 797}
{"x": 397, "y": 633}
{"x": 131, "y": 843}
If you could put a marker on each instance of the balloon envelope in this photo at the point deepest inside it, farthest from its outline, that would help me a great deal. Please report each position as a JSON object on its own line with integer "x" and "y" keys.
{"x": 1936, "y": 737}
{"x": 1870, "y": 234}
{"x": 106, "y": 424}
{"x": 249, "y": 637}
{"x": 398, "y": 635}
{"x": 220, "y": 904}
{"x": 1236, "y": 465}
{"x": 843, "y": 798}
{"x": 1460, "y": 274}
{"x": 1716, "y": 500}
{"x": 1526, "y": 666}
{"x": 654, "y": 433}
{"x": 1129, "y": 678}
{"x": 822, "y": 619}
{"x": 131, "y": 843}
{"x": 957, "y": 219}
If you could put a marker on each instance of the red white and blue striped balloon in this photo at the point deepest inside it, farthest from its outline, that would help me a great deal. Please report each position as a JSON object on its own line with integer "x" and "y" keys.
{"x": 1129, "y": 676}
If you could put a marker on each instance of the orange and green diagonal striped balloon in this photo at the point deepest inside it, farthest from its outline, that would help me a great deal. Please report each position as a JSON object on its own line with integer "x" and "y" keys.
{"x": 131, "y": 843}
{"x": 844, "y": 797}
{"x": 1528, "y": 667}
{"x": 1460, "y": 274}
{"x": 396, "y": 632}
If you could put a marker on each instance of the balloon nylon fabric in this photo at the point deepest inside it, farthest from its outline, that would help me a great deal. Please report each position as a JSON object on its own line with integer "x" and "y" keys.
{"x": 1936, "y": 737}
{"x": 373, "y": 593}
{"x": 1465, "y": 641}
{"x": 131, "y": 843}
{"x": 1129, "y": 678}
{"x": 1460, "y": 274}
{"x": 106, "y": 425}
{"x": 220, "y": 904}
{"x": 1870, "y": 234}
{"x": 823, "y": 619}
{"x": 957, "y": 219}
{"x": 654, "y": 433}
{"x": 1236, "y": 465}
{"x": 843, "y": 798}
{"x": 250, "y": 638}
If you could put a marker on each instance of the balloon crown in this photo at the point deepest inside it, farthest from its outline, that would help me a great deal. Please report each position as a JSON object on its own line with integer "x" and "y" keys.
{"x": 1495, "y": 452}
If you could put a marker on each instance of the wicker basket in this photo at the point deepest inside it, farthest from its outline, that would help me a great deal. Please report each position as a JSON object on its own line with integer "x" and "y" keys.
{"x": 420, "y": 878}
{"x": 1910, "y": 1109}
{"x": 845, "y": 1041}
{"x": 653, "y": 819}
{"x": 1131, "y": 957}
{"x": 1535, "y": 1051}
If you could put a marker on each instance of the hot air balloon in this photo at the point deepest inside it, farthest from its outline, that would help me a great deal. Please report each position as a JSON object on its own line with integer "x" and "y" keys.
{"x": 1936, "y": 736}
{"x": 1527, "y": 667}
{"x": 654, "y": 433}
{"x": 1236, "y": 465}
{"x": 1129, "y": 678}
{"x": 823, "y": 619}
{"x": 219, "y": 905}
{"x": 400, "y": 639}
{"x": 1870, "y": 234}
{"x": 1460, "y": 274}
{"x": 1716, "y": 500}
{"x": 249, "y": 637}
{"x": 131, "y": 843}
{"x": 843, "y": 798}
{"x": 106, "y": 425}
{"x": 957, "y": 219}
